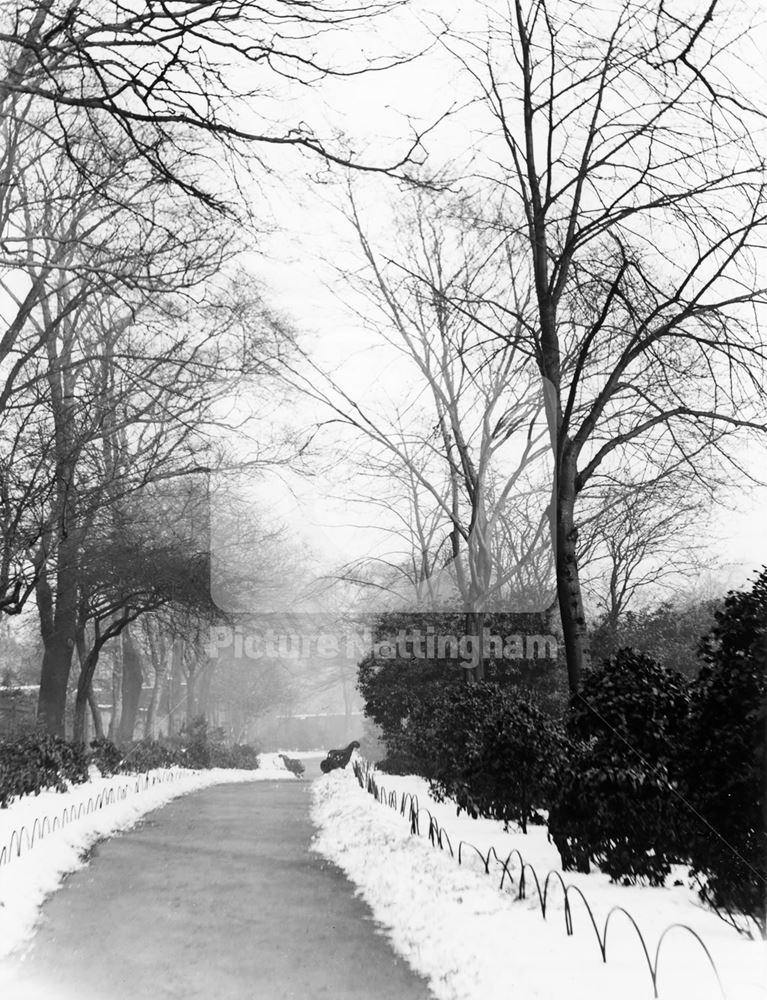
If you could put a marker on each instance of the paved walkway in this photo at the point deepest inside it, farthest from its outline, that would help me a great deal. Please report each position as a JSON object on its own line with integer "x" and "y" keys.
{"x": 217, "y": 896}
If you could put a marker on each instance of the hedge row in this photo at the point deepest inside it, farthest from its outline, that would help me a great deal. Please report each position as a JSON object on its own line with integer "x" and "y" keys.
{"x": 645, "y": 770}
{"x": 38, "y": 762}
{"x": 32, "y": 763}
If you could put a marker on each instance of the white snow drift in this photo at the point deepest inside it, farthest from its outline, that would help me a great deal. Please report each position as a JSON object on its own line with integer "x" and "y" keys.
{"x": 471, "y": 940}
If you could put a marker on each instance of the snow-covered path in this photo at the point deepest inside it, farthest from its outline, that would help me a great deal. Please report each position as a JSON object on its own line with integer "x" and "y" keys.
{"x": 215, "y": 895}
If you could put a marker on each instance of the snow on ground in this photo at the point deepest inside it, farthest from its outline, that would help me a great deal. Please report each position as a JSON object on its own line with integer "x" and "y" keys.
{"x": 26, "y": 880}
{"x": 470, "y": 940}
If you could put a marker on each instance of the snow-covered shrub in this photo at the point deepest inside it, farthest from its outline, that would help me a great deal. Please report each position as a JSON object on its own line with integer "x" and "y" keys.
{"x": 726, "y": 761}
{"x": 616, "y": 804}
{"x": 195, "y": 743}
{"x": 200, "y": 745}
{"x": 29, "y": 764}
{"x": 146, "y": 755}
{"x": 241, "y": 755}
{"x": 490, "y": 748}
{"x": 197, "y": 747}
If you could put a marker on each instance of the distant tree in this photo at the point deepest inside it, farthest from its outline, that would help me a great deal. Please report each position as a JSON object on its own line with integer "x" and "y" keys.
{"x": 244, "y": 690}
{"x": 160, "y": 633}
{"x": 456, "y": 458}
{"x": 119, "y": 579}
{"x": 641, "y": 538}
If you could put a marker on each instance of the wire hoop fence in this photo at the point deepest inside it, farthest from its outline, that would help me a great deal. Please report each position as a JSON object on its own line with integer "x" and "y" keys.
{"x": 514, "y": 870}
{"x": 24, "y": 837}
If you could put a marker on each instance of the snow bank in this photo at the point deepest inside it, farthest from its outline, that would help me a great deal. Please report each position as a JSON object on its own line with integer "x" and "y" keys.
{"x": 469, "y": 939}
{"x": 27, "y": 878}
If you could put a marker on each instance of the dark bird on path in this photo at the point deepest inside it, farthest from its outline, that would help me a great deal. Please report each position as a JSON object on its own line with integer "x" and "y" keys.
{"x": 292, "y": 765}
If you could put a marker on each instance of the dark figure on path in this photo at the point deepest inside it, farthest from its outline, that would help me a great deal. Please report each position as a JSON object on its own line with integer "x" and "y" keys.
{"x": 292, "y": 765}
{"x": 338, "y": 758}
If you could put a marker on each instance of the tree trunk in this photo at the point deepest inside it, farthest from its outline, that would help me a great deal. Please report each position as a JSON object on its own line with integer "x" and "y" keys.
{"x": 160, "y": 673}
{"x": 58, "y": 619}
{"x": 83, "y": 686}
{"x": 131, "y": 687}
{"x": 203, "y": 689}
{"x": 81, "y": 702}
{"x": 86, "y": 698}
{"x": 159, "y": 654}
{"x": 475, "y": 624}
{"x": 117, "y": 673}
{"x": 54, "y": 681}
{"x": 189, "y": 698}
{"x": 98, "y": 723}
{"x": 176, "y": 671}
{"x": 574, "y": 631}
{"x": 57, "y": 628}
{"x": 169, "y": 699}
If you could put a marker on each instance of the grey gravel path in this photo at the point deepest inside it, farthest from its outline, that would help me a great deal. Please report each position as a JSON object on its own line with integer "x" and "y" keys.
{"x": 215, "y": 895}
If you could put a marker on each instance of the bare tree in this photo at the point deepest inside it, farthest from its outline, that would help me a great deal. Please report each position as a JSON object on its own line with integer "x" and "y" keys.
{"x": 161, "y": 632}
{"x": 169, "y": 75}
{"x": 128, "y": 334}
{"x": 639, "y": 539}
{"x": 628, "y": 162}
{"x": 463, "y": 459}
{"x": 148, "y": 559}
{"x": 128, "y": 424}
{"x": 244, "y": 690}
